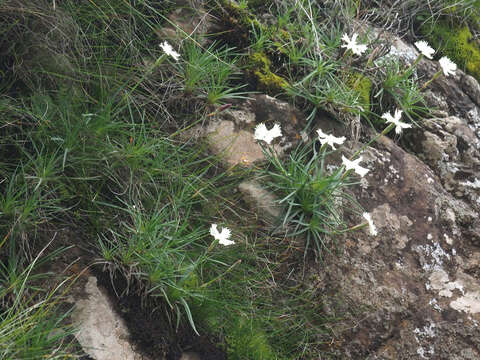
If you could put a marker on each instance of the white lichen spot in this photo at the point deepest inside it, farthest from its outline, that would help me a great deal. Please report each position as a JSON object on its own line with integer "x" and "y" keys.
{"x": 440, "y": 281}
{"x": 448, "y": 239}
{"x": 429, "y": 219}
{"x": 423, "y": 353}
{"x": 469, "y": 303}
{"x": 436, "y": 253}
{"x": 332, "y": 168}
{"x": 474, "y": 322}
{"x": 427, "y": 331}
{"x": 429, "y": 236}
{"x": 475, "y": 184}
{"x": 454, "y": 252}
{"x": 435, "y": 305}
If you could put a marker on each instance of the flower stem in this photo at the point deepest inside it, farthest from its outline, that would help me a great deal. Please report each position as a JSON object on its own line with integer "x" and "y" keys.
{"x": 384, "y": 132}
{"x": 437, "y": 74}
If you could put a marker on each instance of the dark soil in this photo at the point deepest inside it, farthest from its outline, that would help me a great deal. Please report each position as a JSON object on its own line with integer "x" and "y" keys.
{"x": 150, "y": 328}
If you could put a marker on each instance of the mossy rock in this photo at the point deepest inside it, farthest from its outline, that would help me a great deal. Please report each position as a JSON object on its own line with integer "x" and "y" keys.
{"x": 457, "y": 43}
{"x": 363, "y": 86}
{"x": 266, "y": 80}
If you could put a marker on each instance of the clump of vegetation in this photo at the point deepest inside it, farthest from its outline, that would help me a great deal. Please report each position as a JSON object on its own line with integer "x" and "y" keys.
{"x": 260, "y": 66}
{"x": 457, "y": 42}
{"x": 363, "y": 86}
{"x": 95, "y": 109}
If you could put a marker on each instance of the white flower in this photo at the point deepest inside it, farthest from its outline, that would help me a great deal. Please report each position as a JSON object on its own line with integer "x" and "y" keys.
{"x": 351, "y": 44}
{"x": 222, "y": 237}
{"x": 425, "y": 49}
{"x": 355, "y": 166}
{"x": 329, "y": 139}
{"x": 371, "y": 225}
{"x": 261, "y": 132}
{"x": 396, "y": 120}
{"x": 448, "y": 66}
{"x": 169, "y": 50}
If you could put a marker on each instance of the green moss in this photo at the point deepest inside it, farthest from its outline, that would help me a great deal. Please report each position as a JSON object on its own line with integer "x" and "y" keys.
{"x": 245, "y": 338}
{"x": 239, "y": 15}
{"x": 363, "y": 86}
{"x": 457, "y": 43}
{"x": 266, "y": 80}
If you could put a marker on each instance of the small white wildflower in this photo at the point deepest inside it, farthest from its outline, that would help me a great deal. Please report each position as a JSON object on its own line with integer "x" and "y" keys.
{"x": 329, "y": 139}
{"x": 371, "y": 225}
{"x": 351, "y": 44}
{"x": 167, "y": 48}
{"x": 222, "y": 237}
{"x": 355, "y": 166}
{"x": 425, "y": 49}
{"x": 261, "y": 132}
{"x": 399, "y": 126}
{"x": 448, "y": 66}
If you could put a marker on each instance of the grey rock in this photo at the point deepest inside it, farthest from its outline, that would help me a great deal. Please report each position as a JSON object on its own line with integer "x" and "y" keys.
{"x": 471, "y": 87}
{"x": 263, "y": 201}
{"x": 101, "y": 331}
{"x": 189, "y": 355}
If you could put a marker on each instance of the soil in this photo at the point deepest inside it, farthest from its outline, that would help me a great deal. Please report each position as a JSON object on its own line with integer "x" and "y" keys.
{"x": 150, "y": 329}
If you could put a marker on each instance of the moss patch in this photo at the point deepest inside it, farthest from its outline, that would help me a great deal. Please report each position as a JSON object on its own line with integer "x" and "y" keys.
{"x": 457, "y": 43}
{"x": 244, "y": 337}
{"x": 363, "y": 86}
{"x": 266, "y": 80}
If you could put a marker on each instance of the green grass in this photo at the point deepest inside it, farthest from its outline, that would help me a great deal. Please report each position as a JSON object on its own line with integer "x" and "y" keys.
{"x": 313, "y": 197}
{"x": 32, "y": 317}
{"x": 93, "y": 115}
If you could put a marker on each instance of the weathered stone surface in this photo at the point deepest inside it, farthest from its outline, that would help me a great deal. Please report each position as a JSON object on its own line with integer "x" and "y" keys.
{"x": 263, "y": 201}
{"x": 451, "y": 148}
{"x": 101, "y": 332}
{"x": 231, "y": 133}
{"x": 235, "y": 146}
{"x": 418, "y": 297}
{"x": 185, "y": 21}
{"x": 190, "y": 356}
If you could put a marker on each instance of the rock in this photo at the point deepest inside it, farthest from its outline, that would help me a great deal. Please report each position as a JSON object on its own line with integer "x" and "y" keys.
{"x": 101, "y": 331}
{"x": 190, "y": 356}
{"x": 263, "y": 201}
{"x": 451, "y": 87}
{"x": 471, "y": 87}
{"x": 186, "y": 21}
{"x": 418, "y": 294}
{"x": 234, "y": 146}
{"x": 230, "y": 133}
{"x": 451, "y": 148}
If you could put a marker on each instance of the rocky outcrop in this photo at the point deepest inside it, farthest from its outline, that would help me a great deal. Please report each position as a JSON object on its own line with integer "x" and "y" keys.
{"x": 101, "y": 331}
{"x": 419, "y": 279}
{"x": 413, "y": 291}
{"x": 229, "y": 133}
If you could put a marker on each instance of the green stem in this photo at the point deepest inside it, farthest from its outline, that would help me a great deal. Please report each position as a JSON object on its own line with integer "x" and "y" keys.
{"x": 384, "y": 132}
{"x": 437, "y": 74}
{"x": 225, "y": 273}
{"x": 413, "y": 65}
